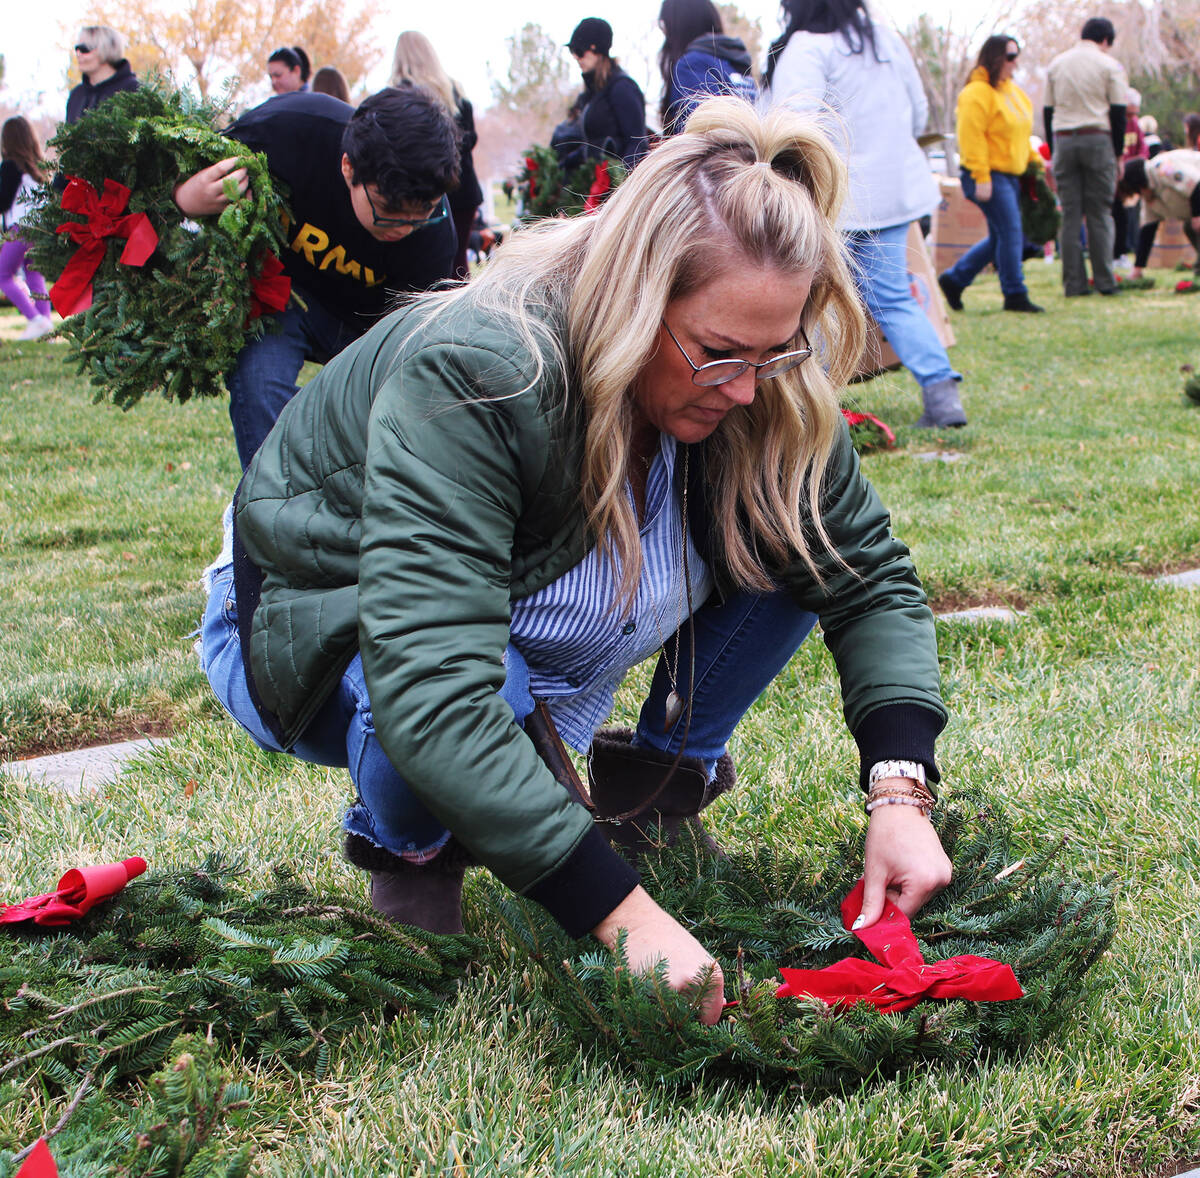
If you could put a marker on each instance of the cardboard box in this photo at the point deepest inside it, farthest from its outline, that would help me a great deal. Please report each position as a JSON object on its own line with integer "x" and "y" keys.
{"x": 1171, "y": 247}
{"x": 957, "y": 224}
{"x": 922, "y": 280}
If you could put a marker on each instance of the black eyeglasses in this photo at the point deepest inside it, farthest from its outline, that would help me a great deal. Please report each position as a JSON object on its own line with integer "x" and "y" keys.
{"x": 1011, "y": 56}
{"x": 83, "y": 49}
{"x": 718, "y": 372}
{"x": 412, "y": 222}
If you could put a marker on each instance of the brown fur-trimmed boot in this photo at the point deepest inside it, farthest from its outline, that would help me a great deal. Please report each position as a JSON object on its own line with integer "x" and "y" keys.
{"x": 623, "y": 778}
{"x": 426, "y": 895}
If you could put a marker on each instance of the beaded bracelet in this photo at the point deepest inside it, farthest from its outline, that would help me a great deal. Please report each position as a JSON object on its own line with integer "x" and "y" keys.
{"x": 893, "y": 800}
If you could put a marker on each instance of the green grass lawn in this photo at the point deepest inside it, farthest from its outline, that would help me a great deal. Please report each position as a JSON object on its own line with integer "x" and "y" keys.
{"x": 1077, "y": 483}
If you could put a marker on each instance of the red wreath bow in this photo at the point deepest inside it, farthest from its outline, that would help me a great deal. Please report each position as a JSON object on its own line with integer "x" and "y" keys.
{"x": 271, "y": 290}
{"x": 853, "y": 418}
{"x": 39, "y": 1163}
{"x": 601, "y": 183}
{"x": 106, "y": 218}
{"x": 80, "y": 890}
{"x": 905, "y": 977}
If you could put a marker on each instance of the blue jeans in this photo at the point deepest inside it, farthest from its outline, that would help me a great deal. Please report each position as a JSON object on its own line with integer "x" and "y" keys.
{"x": 741, "y": 645}
{"x": 882, "y": 259}
{"x": 263, "y": 380}
{"x": 1005, "y": 237}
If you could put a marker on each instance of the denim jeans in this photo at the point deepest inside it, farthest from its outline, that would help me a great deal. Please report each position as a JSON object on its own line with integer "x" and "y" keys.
{"x": 882, "y": 259}
{"x": 1005, "y": 238}
{"x": 263, "y": 380}
{"x": 741, "y": 645}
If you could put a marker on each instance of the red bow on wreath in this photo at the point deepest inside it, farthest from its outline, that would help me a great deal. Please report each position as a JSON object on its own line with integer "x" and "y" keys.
{"x": 905, "y": 977}
{"x": 853, "y": 418}
{"x": 532, "y": 168}
{"x": 601, "y": 183}
{"x": 271, "y": 290}
{"x": 79, "y": 890}
{"x": 106, "y": 218}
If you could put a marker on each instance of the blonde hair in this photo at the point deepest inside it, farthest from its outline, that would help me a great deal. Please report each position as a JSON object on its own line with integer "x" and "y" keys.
{"x": 608, "y": 278}
{"x": 108, "y": 43}
{"x": 416, "y": 63}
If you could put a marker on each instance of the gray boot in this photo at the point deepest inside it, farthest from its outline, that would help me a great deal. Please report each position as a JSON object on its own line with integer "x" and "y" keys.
{"x": 942, "y": 405}
{"x": 624, "y": 779}
{"x": 426, "y": 895}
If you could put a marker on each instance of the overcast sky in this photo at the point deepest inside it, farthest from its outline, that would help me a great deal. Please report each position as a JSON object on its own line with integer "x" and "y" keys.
{"x": 38, "y": 36}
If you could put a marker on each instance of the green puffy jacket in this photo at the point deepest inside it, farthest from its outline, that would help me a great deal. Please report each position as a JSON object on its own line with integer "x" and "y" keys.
{"x": 427, "y": 478}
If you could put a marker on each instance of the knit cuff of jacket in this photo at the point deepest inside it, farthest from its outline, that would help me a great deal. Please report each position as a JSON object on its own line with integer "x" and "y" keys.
{"x": 899, "y": 732}
{"x": 586, "y": 886}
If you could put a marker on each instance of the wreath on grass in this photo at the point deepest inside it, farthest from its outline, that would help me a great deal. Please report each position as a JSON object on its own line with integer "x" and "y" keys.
{"x": 1041, "y": 218}
{"x": 766, "y": 909}
{"x": 156, "y": 301}
{"x": 543, "y": 188}
{"x": 278, "y": 974}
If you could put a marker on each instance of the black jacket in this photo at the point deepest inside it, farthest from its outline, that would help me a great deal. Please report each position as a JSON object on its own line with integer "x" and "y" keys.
{"x": 85, "y": 95}
{"x": 613, "y": 122}
{"x": 468, "y": 195}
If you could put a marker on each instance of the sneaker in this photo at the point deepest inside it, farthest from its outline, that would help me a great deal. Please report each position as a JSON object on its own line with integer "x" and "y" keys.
{"x": 952, "y": 291}
{"x": 1123, "y": 263}
{"x": 1020, "y": 302}
{"x": 36, "y": 328}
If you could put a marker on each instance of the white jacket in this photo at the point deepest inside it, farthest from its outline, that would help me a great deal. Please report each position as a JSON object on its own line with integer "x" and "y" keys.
{"x": 873, "y": 111}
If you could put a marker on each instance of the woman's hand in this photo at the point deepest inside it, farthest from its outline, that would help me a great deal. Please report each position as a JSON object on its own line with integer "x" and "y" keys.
{"x": 1136, "y": 272}
{"x": 204, "y": 193}
{"x": 904, "y": 862}
{"x": 652, "y": 934}
{"x": 983, "y": 192}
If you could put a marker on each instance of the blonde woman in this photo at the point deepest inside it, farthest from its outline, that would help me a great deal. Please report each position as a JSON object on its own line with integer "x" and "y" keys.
{"x": 100, "y": 57}
{"x": 415, "y": 63}
{"x": 615, "y": 443}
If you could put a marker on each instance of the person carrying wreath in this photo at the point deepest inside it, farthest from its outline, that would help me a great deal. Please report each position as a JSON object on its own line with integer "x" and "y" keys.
{"x": 616, "y": 440}
{"x": 369, "y": 218}
{"x": 1168, "y": 187}
{"x": 611, "y": 118}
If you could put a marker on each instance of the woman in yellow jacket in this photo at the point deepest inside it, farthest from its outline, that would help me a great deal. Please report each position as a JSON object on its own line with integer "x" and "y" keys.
{"x": 995, "y": 119}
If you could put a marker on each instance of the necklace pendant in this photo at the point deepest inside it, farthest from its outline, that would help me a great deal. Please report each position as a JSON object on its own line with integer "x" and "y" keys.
{"x": 674, "y": 711}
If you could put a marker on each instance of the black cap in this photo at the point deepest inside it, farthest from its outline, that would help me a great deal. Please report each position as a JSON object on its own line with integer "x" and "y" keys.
{"x": 591, "y": 33}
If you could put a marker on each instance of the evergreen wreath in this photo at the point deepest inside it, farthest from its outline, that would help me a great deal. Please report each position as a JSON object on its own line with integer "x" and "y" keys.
{"x": 543, "y": 189}
{"x": 178, "y": 322}
{"x": 765, "y": 909}
{"x": 1041, "y": 218}
{"x": 279, "y": 974}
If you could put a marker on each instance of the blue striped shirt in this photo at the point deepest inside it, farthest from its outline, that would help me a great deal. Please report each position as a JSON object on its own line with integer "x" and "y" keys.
{"x": 578, "y": 645}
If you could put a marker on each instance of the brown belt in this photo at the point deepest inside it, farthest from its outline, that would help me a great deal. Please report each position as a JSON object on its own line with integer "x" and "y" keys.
{"x": 1082, "y": 131}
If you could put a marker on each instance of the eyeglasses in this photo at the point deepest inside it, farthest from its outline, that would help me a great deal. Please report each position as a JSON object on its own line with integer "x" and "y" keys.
{"x": 412, "y": 222}
{"x": 1011, "y": 56}
{"x": 717, "y": 372}
{"x": 83, "y": 49}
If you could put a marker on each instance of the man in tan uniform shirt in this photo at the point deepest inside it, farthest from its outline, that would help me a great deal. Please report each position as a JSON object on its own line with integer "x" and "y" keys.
{"x": 1085, "y": 121}
{"x": 1169, "y": 186}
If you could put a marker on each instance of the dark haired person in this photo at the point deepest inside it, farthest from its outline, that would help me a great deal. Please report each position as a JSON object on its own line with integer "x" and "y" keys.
{"x": 1169, "y": 188}
{"x": 697, "y": 60}
{"x": 833, "y": 57}
{"x": 612, "y": 119}
{"x": 100, "y": 56}
{"x": 995, "y": 120}
{"x": 1085, "y": 121}
{"x": 367, "y": 191}
{"x": 288, "y": 70}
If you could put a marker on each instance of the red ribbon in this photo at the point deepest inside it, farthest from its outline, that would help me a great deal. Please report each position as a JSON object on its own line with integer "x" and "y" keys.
{"x": 905, "y": 977}
{"x": 80, "y": 890}
{"x": 271, "y": 290}
{"x": 532, "y": 168}
{"x": 39, "y": 1163}
{"x": 72, "y": 293}
{"x": 853, "y": 418}
{"x": 601, "y": 183}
